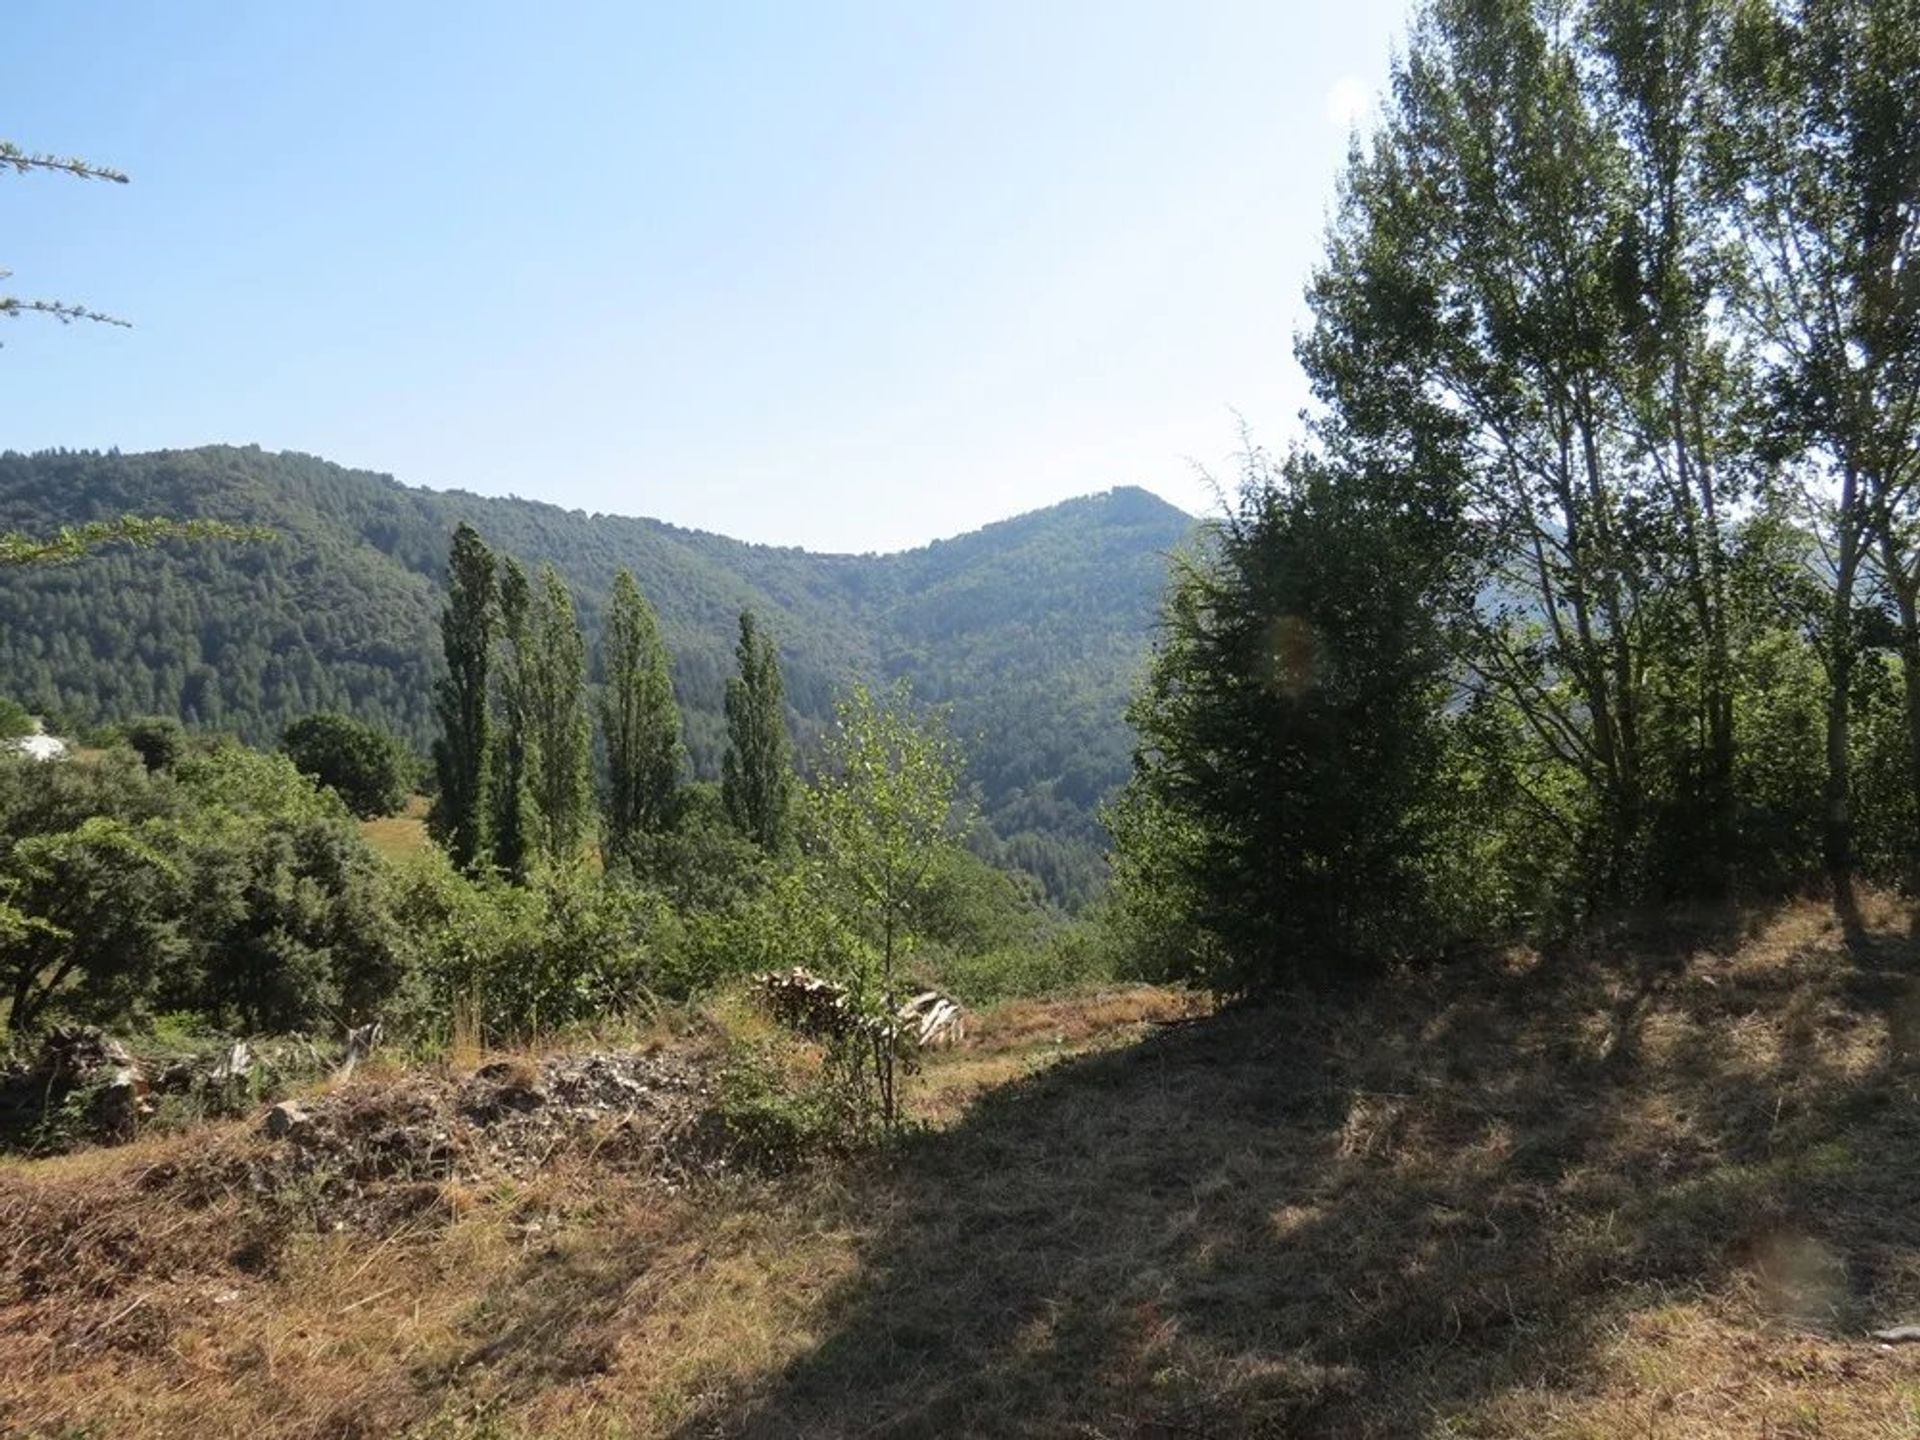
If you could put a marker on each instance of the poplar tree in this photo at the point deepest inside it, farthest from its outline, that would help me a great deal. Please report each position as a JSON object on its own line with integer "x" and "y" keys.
{"x": 461, "y": 754}
{"x": 515, "y": 817}
{"x": 756, "y": 781}
{"x": 560, "y": 739}
{"x": 641, "y": 724}
{"x": 1820, "y": 182}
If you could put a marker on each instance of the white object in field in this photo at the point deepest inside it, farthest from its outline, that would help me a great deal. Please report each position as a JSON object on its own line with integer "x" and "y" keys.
{"x": 40, "y": 745}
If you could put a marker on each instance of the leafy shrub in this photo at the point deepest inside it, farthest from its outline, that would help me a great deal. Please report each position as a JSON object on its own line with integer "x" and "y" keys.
{"x": 520, "y": 960}
{"x": 1074, "y": 957}
{"x": 774, "y": 1118}
{"x": 365, "y": 767}
{"x": 14, "y": 719}
{"x": 225, "y": 885}
{"x": 159, "y": 740}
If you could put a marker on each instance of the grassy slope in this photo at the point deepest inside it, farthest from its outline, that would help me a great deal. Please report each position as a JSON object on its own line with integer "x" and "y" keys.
{"x": 1657, "y": 1188}
{"x": 398, "y": 836}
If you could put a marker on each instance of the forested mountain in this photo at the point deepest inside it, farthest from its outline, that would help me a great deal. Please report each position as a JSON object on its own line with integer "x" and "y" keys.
{"x": 1031, "y": 628}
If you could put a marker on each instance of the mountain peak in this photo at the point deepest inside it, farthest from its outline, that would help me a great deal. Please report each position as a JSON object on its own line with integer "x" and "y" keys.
{"x": 1029, "y": 629}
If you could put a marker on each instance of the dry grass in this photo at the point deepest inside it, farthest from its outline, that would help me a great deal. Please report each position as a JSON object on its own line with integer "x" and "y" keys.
{"x": 398, "y": 836}
{"x": 1658, "y": 1187}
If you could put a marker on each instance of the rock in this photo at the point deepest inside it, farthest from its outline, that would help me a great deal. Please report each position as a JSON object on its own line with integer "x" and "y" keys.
{"x": 286, "y": 1120}
{"x": 120, "y": 1101}
{"x": 77, "y": 1055}
{"x": 236, "y": 1064}
{"x": 361, "y": 1042}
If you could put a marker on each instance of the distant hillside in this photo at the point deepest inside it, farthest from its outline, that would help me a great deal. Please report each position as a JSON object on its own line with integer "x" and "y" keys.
{"x": 1031, "y": 628}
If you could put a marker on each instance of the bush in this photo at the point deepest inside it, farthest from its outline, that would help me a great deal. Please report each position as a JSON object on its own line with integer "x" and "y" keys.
{"x": 365, "y": 767}
{"x": 159, "y": 740}
{"x": 773, "y": 1117}
{"x": 1072, "y": 958}
{"x": 522, "y": 960}
{"x": 14, "y": 720}
{"x": 227, "y": 886}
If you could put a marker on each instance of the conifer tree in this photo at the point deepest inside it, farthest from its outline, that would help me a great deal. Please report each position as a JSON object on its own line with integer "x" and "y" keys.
{"x": 515, "y": 816}
{"x": 560, "y": 740}
{"x": 756, "y": 775}
{"x": 460, "y": 756}
{"x": 641, "y": 724}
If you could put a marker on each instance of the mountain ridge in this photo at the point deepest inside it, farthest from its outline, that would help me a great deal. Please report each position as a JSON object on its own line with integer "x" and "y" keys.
{"x": 1030, "y": 628}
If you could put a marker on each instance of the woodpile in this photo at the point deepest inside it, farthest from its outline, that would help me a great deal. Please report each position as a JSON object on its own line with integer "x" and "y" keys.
{"x": 823, "y": 1009}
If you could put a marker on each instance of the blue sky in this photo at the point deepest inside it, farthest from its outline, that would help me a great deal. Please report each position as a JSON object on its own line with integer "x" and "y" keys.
{"x": 850, "y": 276}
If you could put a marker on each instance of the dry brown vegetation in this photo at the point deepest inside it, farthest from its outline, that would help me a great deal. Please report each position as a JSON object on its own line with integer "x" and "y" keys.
{"x": 1658, "y": 1185}
{"x": 398, "y": 836}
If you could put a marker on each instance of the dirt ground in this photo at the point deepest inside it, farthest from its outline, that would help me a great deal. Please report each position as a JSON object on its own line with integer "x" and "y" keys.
{"x": 1665, "y": 1183}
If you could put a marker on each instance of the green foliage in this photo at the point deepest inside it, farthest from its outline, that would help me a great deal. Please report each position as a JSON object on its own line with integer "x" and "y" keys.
{"x": 967, "y": 905}
{"x": 1077, "y": 956}
{"x": 159, "y": 740}
{"x": 228, "y": 886}
{"x": 703, "y": 863}
{"x": 366, "y": 768}
{"x": 462, "y": 755}
{"x": 1814, "y": 174}
{"x": 756, "y": 774}
{"x": 1290, "y": 734}
{"x": 289, "y": 903}
{"x": 516, "y": 824}
{"x": 1598, "y": 582}
{"x": 523, "y": 959}
{"x": 14, "y": 720}
{"x": 773, "y": 1116}
{"x": 560, "y": 749}
{"x": 640, "y": 724}
{"x": 72, "y": 542}
{"x": 1031, "y": 629}
{"x": 882, "y": 818}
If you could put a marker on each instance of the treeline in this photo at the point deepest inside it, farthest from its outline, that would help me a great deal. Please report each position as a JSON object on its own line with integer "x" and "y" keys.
{"x": 1031, "y": 629}
{"x": 178, "y": 875}
{"x": 1596, "y": 580}
{"x": 514, "y": 757}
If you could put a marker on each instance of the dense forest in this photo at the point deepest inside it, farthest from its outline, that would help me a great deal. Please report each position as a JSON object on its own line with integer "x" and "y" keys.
{"x": 1030, "y": 629}
{"x": 1594, "y": 583}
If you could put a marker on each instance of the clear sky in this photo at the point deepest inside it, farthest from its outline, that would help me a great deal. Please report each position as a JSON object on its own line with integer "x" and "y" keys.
{"x": 850, "y": 276}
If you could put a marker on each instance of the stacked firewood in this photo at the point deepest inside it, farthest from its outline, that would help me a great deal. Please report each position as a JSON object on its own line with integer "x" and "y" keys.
{"x": 823, "y": 1009}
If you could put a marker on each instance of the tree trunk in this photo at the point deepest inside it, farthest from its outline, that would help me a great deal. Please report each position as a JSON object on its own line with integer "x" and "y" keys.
{"x": 1841, "y": 648}
{"x": 1906, "y": 594}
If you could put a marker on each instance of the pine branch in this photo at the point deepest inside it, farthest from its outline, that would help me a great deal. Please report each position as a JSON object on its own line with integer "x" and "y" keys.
{"x": 74, "y": 541}
{"x": 13, "y": 305}
{"x": 23, "y": 161}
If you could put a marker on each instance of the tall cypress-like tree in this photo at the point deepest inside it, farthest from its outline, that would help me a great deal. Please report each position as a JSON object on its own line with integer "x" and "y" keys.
{"x": 756, "y": 781}
{"x": 460, "y": 818}
{"x": 516, "y": 827}
{"x": 559, "y": 755}
{"x": 641, "y": 724}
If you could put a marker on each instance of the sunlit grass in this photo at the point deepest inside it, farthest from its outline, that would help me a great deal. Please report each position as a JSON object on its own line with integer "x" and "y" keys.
{"x": 398, "y": 836}
{"x": 1661, "y": 1184}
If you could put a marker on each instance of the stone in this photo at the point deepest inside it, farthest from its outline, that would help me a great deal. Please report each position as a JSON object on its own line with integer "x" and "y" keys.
{"x": 286, "y": 1120}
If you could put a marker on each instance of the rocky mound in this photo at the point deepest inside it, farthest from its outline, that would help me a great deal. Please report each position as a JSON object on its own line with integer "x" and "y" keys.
{"x": 508, "y": 1118}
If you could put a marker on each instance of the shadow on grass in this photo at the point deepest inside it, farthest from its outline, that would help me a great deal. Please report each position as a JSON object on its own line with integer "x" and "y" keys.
{"x": 1319, "y": 1220}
